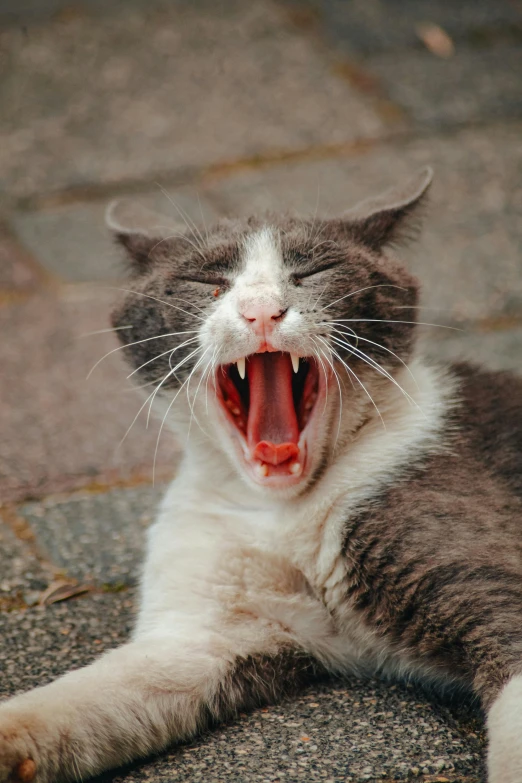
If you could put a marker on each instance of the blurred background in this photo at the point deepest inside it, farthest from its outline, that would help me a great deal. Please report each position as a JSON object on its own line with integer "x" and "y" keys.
{"x": 231, "y": 107}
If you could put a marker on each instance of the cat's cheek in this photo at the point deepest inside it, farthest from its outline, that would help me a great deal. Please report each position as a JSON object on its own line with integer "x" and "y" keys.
{"x": 505, "y": 735}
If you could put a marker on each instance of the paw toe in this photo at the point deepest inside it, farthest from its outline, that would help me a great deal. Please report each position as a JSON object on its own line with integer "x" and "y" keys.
{"x": 25, "y": 771}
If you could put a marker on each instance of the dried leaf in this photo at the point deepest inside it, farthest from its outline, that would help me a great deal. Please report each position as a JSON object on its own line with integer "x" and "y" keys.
{"x": 61, "y": 591}
{"x": 436, "y": 40}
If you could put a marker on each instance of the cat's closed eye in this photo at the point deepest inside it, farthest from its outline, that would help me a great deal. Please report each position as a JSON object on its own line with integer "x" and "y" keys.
{"x": 205, "y": 280}
{"x": 297, "y": 277}
{"x": 210, "y": 280}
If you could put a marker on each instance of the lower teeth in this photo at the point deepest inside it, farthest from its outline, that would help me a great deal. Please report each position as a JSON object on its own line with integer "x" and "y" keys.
{"x": 261, "y": 469}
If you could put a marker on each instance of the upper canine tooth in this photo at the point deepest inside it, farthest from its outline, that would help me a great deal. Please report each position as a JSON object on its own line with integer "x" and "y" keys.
{"x": 295, "y": 362}
{"x": 241, "y": 367}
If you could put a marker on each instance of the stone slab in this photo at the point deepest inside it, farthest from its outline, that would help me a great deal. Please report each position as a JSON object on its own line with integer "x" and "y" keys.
{"x": 469, "y": 257}
{"x": 18, "y": 270}
{"x": 27, "y": 12}
{"x": 95, "y": 99}
{"x": 368, "y": 28}
{"x": 22, "y": 575}
{"x": 95, "y": 537}
{"x": 496, "y": 349}
{"x": 472, "y": 86}
{"x": 60, "y": 431}
{"x": 74, "y": 244}
{"x": 381, "y": 49}
{"x": 344, "y": 731}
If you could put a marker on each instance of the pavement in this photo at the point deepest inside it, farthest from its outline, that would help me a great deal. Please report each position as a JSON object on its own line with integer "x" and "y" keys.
{"x": 230, "y": 107}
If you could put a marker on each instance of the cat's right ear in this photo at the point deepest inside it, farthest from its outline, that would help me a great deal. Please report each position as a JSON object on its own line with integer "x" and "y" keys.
{"x": 390, "y": 217}
{"x": 145, "y": 235}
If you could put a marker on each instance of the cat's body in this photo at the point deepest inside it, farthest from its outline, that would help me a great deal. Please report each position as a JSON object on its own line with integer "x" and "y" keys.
{"x": 331, "y": 513}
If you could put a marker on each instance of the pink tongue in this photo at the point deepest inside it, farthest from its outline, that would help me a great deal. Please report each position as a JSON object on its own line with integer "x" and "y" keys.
{"x": 272, "y": 429}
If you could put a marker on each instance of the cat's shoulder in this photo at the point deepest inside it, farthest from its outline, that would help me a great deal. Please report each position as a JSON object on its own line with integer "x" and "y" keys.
{"x": 490, "y": 407}
{"x": 489, "y": 421}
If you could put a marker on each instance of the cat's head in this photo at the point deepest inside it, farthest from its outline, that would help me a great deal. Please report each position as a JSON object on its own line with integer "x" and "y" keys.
{"x": 271, "y": 336}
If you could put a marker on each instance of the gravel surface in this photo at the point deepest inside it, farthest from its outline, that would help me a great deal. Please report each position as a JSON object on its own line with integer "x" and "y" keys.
{"x": 341, "y": 731}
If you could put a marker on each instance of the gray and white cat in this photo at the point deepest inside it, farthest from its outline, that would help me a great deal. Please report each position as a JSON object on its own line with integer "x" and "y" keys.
{"x": 341, "y": 504}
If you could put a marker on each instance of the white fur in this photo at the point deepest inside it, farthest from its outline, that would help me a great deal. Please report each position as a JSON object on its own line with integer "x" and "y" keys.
{"x": 228, "y": 574}
{"x": 260, "y": 281}
{"x": 263, "y": 263}
{"x": 236, "y": 529}
{"x": 505, "y": 735}
{"x": 234, "y": 570}
{"x": 227, "y": 336}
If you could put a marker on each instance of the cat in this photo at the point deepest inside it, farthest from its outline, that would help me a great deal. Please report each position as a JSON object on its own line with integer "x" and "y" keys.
{"x": 342, "y": 504}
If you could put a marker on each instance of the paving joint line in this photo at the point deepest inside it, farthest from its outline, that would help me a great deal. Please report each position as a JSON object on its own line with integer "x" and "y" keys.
{"x": 24, "y": 533}
{"x": 43, "y": 278}
{"x": 82, "y": 483}
{"x": 215, "y": 172}
{"x": 97, "y": 488}
{"x": 353, "y": 71}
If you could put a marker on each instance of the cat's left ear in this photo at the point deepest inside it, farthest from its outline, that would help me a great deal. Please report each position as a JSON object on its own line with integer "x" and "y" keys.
{"x": 144, "y": 234}
{"x": 388, "y": 218}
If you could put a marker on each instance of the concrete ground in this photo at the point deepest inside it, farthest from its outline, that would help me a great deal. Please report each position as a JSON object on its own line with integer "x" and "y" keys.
{"x": 232, "y": 107}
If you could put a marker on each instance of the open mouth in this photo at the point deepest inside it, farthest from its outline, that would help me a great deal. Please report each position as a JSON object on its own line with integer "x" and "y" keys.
{"x": 270, "y": 398}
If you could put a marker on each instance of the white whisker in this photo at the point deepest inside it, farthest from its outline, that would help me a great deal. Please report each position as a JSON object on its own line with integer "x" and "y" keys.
{"x": 376, "y": 366}
{"x": 387, "y": 321}
{"x": 340, "y": 394}
{"x": 359, "y": 290}
{"x": 155, "y": 298}
{"x": 423, "y": 307}
{"x": 377, "y": 345}
{"x": 134, "y": 387}
{"x": 317, "y": 300}
{"x": 342, "y": 326}
{"x": 191, "y": 404}
{"x": 133, "y": 422}
{"x": 212, "y": 359}
{"x": 176, "y": 235}
{"x": 325, "y": 376}
{"x": 171, "y": 372}
{"x": 105, "y": 331}
{"x": 170, "y": 350}
{"x": 349, "y": 369}
{"x": 191, "y": 225}
{"x": 203, "y": 218}
{"x": 137, "y": 342}
{"x": 161, "y": 428}
{"x": 151, "y": 395}
{"x": 314, "y": 218}
{"x": 187, "y": 301}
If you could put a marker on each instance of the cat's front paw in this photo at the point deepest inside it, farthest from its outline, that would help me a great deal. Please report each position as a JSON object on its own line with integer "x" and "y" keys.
{"x": 24, "y": 772}
{"x": 19, "y": 750}
{"x": 505, "y": 733}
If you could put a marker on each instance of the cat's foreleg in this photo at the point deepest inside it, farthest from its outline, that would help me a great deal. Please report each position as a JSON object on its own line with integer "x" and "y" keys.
{"x": 505, "y": 734}
{"x": 139, "y": 699}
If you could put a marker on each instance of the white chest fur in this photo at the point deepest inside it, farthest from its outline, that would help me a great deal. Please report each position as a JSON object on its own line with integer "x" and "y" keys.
{"x": 216, "y": 545}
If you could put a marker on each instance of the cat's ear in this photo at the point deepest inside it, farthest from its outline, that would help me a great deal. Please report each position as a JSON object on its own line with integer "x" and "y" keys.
{"x": 390, "y": 217}
{"x": 141, "y": 232}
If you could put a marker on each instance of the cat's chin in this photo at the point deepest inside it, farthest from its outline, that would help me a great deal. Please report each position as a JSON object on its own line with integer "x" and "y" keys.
{"x": 270, "y": 411}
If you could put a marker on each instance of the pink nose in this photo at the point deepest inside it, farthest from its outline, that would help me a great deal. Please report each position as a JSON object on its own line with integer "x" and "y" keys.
{"x": 263, "y": 317}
